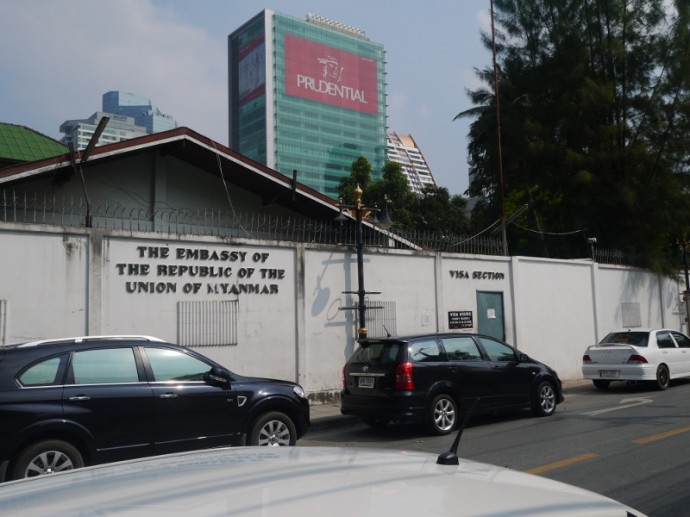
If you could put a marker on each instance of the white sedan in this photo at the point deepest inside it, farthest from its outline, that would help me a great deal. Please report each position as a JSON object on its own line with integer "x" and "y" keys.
{"x": 654, "y": 355}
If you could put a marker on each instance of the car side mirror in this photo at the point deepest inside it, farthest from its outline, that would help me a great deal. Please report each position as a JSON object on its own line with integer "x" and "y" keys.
{"x": 217, "y": 376}
{"x": 523, "y": 358}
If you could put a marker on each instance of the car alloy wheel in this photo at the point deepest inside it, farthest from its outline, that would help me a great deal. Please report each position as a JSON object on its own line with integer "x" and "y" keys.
{"x": 443, "y": 414}
{"x": 273, "y": 429}
{"x": 545, "y": 400}
{"x": 47, "y": 457}
{"x": 663, "y": 379}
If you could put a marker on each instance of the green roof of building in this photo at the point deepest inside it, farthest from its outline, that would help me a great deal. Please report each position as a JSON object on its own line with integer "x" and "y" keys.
{"x": 21, "y": 144}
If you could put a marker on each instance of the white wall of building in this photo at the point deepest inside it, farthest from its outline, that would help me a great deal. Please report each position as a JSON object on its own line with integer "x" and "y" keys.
{"x": 293, "y": 319}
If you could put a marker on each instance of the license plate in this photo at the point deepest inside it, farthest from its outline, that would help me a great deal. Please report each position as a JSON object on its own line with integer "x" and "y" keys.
{"x": 366, "y": 382}
{"x": 609, "y": 373}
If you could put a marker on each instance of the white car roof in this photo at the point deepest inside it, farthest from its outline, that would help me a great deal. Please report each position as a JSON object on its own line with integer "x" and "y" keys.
{"x": 300, "y": 481}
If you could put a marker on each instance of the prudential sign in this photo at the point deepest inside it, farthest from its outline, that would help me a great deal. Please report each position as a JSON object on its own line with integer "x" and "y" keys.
{"x": 328, "y": 75}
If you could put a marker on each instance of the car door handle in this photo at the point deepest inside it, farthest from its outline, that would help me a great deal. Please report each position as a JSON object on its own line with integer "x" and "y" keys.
{"x": 168, "y": 396}
{"x": 79, "y": 398}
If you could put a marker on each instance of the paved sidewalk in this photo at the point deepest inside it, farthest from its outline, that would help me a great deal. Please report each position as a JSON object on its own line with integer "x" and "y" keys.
{"x": 325, "y": 416}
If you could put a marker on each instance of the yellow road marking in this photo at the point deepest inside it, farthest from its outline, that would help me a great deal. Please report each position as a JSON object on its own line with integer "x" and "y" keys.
{"x": 661, "y": 436}
{"x": 590, "y": 456}
{"x": 563, "y": 463}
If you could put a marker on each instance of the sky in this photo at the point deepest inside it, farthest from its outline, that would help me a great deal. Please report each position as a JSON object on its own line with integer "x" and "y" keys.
{"x": 58, "y": 58}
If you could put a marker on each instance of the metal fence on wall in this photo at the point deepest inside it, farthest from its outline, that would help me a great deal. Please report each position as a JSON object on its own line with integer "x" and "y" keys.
{"x": 37, "y": 209}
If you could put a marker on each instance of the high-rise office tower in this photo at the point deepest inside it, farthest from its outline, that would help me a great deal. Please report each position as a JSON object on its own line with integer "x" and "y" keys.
{"x": 140, "y": 108}
{"x": 307, "y": 97}
{"x": 130, "y": 116}
{"x": 404, "y": 150}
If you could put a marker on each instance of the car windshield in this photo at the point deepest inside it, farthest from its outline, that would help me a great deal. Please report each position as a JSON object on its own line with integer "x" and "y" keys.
{"x": 626, "y": 338}
{"x": 376, "y": 352}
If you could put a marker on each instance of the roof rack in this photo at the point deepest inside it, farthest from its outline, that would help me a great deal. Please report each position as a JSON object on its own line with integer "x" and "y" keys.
{"x": 88, "y": 339}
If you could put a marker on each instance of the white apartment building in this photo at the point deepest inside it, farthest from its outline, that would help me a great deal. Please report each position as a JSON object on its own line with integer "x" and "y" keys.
{"x": 404, "y": 150}
{"x": 79, "y": 132}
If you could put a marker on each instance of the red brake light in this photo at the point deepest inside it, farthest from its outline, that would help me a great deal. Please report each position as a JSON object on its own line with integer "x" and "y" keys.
{"x": 586, "y": 359}
{"x": 636, "y": 359}
{"x": 403, "y": 377}
{"x": 344, "y": 377}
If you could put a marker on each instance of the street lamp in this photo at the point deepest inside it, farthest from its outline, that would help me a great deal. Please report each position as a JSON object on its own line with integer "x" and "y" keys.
{"x": 360, "y": 211}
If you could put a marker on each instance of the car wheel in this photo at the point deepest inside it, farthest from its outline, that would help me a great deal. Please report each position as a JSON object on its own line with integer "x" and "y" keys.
{"x": 602, "y": 385}
{"x": 376, "y": 423}
{"x": 544, "y": 403}
{"x": 273, "y": 429}
{"x": 443, "y": 414}
{"x": 46, "y": 457}
{"x": 663, "y": 379}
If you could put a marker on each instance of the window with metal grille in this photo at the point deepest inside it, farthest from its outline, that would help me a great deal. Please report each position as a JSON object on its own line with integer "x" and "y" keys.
{"x": 207, "y": 323}
{"x": 381, "y": 320}
{"x": 631, "y": 314}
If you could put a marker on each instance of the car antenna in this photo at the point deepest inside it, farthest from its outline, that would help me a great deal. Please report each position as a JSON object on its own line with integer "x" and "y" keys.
{"x": 450, "y": 457}
{"x": 388, "y": 334}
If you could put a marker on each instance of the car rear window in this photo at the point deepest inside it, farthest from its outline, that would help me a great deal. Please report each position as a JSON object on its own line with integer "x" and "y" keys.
{"x": 426, "y": 351}
{"x": 377, "y": 353}
{"x": 626, "y": 338}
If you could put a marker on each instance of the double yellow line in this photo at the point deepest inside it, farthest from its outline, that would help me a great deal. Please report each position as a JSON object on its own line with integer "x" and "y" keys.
{"x": 590, "y": 456}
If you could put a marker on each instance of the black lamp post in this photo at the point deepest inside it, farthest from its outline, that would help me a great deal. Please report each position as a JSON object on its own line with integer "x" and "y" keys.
{"x": 360, "y": 212}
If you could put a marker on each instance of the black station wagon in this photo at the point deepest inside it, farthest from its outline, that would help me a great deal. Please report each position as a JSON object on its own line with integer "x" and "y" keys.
{"x": 433, "y": 379}
{"x": 81, "y": 401}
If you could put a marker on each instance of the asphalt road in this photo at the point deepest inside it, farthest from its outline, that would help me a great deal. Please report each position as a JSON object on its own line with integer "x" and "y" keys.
{"x": 630, "y": 443}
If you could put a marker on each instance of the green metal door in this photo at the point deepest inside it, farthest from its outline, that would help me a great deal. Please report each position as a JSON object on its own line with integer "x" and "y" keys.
{"x": 490, "y": 314}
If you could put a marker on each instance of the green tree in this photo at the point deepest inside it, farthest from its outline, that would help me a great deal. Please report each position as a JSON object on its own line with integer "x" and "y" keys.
{"x": 594, "y": 124}
{"x": 393, "y": 193}
{"x": 441, "y": 213}
{"x": 360, "y": 174}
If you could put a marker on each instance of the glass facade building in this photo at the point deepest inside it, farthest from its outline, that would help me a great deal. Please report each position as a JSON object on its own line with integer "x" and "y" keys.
{"x": 307, "y": 97}
{"x": 140, "y": 109}
{"x": 130, "y": 116}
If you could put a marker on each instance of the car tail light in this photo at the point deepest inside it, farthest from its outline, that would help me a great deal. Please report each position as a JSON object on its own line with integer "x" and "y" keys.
{"x": 586, "y": 359}
{"x": 403, "y": 377}
{"x": 636, "y": 359}
{"x": 344, "y": 376}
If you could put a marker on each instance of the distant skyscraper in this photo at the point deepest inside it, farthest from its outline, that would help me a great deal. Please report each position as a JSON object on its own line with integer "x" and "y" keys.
{"x": 404, "y": 150}
{"x": 307, "y": 96}
{"x": 130, "y": 116}
{"x": 140, "y": 108}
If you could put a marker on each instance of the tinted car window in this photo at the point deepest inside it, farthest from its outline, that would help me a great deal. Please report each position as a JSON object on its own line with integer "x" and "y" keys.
{"x": 104, "y": 366}
{"x": 627, "y": 338}
{"x": 44, "y": 373}
{"x": 497, "y": 351}
{"x": 663, "y": 340}
{"x": 425, "y": 351}
{"x": 379, "y": 353}
{"x": 681, "y": 339}
{"x": 461, "y": 349}
{"x": 171, "y": 365}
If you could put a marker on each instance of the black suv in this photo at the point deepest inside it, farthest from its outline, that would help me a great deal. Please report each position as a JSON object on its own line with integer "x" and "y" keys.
{"x": 81, "y": 401}
{"x": 435, "y": 378}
